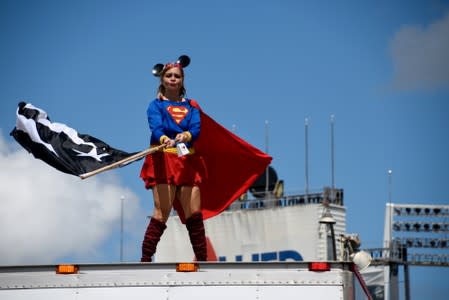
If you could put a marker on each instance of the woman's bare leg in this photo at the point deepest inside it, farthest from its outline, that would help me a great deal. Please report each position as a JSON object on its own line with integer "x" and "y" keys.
{"x": 163, "y": 195}
{"x": 190, "y": 199}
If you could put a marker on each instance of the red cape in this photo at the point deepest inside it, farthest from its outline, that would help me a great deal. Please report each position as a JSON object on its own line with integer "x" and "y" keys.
{"x": 232, "y": 166}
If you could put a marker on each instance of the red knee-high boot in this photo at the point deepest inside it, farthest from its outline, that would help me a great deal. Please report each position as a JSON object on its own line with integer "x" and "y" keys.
{"x": 152, "y": 236}
{"x": 197, "y": 235}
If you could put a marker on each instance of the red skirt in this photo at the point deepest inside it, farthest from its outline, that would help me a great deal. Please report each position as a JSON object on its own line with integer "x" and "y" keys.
{"x": 167, "y": 167}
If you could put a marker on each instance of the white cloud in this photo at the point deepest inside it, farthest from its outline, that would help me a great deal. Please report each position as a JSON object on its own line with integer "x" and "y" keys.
{"x": 46, "y": 215}
{"x": 421, "y": 56}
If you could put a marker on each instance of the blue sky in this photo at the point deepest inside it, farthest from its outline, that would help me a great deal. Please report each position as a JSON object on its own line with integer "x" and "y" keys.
{"x": 381, "y": 67}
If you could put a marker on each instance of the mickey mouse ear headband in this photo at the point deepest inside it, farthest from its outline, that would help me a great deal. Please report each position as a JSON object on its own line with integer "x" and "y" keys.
{"x": 182, "y": 62}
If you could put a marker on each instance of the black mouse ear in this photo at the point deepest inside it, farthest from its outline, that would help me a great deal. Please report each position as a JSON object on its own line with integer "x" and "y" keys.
{"x": 157, "y": 69}
{"x": 183, "y": 60}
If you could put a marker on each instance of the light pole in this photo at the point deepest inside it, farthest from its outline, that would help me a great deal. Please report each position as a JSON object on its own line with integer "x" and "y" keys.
{"x": 328, "y": 219}
{"x": 122, "y": 198}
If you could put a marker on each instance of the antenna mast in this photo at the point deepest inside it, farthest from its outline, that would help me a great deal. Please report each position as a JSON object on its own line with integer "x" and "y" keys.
{"x": 267, "y": 176}
{"x": 332, "y": 152}
{"x": 306, "y": 128}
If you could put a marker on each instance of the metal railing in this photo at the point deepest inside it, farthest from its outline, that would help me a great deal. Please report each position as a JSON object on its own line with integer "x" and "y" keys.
{"x": 402, "y": 255}
{"x": 268, "y": 200}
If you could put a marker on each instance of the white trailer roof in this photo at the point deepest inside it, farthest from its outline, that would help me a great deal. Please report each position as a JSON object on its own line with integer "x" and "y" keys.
{"x": 261, "y": 280}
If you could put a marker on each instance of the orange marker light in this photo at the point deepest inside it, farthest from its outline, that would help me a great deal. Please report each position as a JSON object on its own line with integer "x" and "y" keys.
{"x": 187, "y": 267}
{"x": 66, "y": 269}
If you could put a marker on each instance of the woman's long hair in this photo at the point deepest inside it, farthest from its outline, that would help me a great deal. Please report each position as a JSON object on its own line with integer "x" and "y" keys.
{"x": 161, "y": 89}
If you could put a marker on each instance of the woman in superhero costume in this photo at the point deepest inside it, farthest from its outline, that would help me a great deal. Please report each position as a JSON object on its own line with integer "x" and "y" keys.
{"x": 218, "y": 168}
{"x": 172, "y": 176}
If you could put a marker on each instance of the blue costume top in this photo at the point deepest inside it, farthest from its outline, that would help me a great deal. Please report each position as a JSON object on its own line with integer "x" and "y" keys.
{"x": 168, "y": 118}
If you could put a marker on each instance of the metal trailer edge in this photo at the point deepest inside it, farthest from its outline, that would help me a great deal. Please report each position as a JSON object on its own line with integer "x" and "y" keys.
{"x": 217, "y": 280}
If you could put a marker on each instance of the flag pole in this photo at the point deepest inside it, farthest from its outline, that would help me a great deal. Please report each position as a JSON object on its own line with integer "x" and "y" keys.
{"x": 122, "y": 162}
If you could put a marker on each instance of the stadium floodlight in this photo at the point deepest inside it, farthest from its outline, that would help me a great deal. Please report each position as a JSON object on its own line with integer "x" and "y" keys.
{"x": 435, "y": 227}
{"x": 411, "y": 242}
{"x": 396, "y": 226}
{"x": 418, "y": 226}
{"x": 425, "y": 210}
